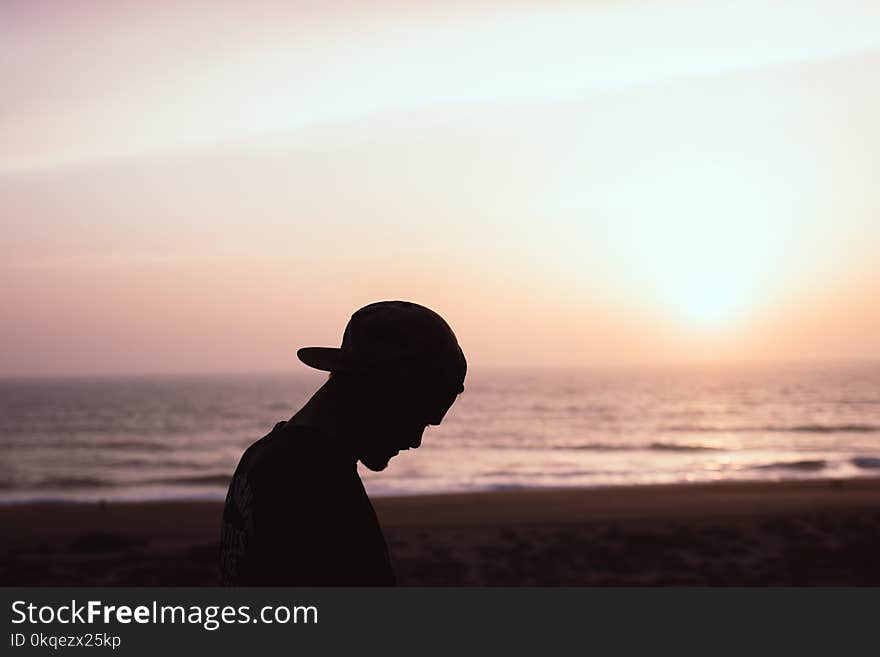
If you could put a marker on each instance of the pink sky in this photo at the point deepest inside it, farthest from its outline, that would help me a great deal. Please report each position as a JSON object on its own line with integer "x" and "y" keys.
{"x": 208, "y": 188}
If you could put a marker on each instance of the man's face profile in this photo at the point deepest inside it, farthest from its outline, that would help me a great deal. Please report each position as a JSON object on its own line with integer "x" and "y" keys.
{"x": 403, "y": 424}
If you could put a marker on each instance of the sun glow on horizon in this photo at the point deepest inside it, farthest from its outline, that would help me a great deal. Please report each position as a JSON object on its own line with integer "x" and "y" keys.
{"x": 701, "y": 245}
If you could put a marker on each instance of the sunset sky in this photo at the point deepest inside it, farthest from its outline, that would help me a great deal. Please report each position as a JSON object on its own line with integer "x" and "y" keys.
{"x": 206, "y": 186}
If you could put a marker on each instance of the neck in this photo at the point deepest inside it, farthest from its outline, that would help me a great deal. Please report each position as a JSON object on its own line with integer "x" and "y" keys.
{"x": 329, "y": 410}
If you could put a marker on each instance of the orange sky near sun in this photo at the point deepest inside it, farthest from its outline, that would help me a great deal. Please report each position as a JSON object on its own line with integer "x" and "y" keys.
{"x": 207, "y": 188}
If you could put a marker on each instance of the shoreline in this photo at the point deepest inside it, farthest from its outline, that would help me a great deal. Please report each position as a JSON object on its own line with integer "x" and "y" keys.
{"x": 210, "y": 497}
{"x": 795, "y": 532}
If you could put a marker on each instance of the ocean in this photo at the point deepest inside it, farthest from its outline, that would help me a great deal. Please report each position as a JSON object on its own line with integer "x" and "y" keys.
{"x": 180, "y": 437}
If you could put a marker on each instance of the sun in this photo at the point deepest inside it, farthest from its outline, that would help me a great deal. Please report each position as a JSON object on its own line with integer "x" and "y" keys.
{"x": 698, "y": 244}
{"x": 711, "y": 299}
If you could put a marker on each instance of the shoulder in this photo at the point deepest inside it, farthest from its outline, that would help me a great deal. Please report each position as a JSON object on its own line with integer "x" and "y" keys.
{"x": 292, "y": 453}
{"x": 283, "y": 441}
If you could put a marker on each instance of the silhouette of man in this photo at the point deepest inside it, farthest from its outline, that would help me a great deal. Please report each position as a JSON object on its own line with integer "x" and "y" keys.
{"x": 296, "y": 512}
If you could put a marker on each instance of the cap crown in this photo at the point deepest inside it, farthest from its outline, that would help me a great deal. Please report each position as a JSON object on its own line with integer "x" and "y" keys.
{"x": 403, "y": 340}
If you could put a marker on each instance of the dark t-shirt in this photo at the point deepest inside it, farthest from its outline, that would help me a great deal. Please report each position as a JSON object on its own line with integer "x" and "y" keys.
{"x": 297, "y": 514}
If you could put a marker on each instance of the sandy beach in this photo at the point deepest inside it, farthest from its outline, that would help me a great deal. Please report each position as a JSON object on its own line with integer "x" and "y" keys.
{"x": 822, "y": 532}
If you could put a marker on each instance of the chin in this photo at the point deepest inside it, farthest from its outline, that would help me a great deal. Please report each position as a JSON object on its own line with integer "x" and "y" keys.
{"x": 376, "y": 464}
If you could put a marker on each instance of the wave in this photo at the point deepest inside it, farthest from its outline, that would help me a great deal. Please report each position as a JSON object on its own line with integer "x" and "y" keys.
{"x": 570, "y": 408}
{"x": 840, "y": 428}
{"x": 536, "y": 475}
{"x": 640, "y": 447}
{"x": 70, "y": 482}
{"x": 108, "y": 445}
{"x": 195, "y": 480}
{"x": 503, "y": 487}
{"x": 147, "y": 463}
{"x": 607, "y": 447}
{"x": 803, "y": 466}
{"x": 866, "y": 462}
{"x": 678, "y": 447}
{"x": 799, "y": 428}
{"x": 73, "y": 483}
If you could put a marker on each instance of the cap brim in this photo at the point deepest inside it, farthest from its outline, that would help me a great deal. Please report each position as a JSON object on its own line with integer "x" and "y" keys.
{"x": 328, "y": 359}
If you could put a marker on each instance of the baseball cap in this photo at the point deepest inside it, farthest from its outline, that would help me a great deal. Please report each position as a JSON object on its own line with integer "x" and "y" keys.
{"x": 397, "y": 340}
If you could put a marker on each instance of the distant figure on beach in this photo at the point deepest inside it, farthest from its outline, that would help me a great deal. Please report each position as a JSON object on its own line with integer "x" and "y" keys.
{"x": 296, "y": 512}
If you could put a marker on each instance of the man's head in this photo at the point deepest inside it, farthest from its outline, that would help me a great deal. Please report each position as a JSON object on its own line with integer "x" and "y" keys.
{"x": 399, "y": 368}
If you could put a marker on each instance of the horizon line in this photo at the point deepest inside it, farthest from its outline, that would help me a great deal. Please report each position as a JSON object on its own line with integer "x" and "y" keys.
{"x": 619, "y": 365}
